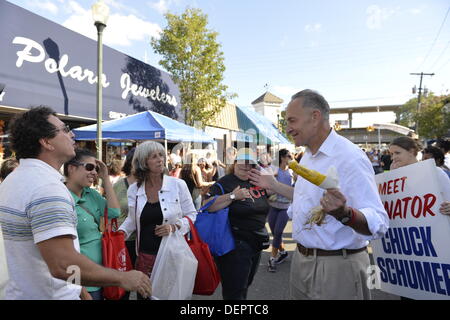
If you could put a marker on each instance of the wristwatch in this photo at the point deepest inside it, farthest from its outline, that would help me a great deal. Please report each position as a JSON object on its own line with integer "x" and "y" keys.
{"x": 346, "y": 219}
{"x": 232, "y": 196}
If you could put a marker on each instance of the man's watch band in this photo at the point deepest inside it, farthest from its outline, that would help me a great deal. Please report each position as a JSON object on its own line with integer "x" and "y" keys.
{"x": 232, "y": 196}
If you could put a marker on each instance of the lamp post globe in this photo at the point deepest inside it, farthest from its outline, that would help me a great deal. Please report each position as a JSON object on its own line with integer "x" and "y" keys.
{"x": 100, "y": 14}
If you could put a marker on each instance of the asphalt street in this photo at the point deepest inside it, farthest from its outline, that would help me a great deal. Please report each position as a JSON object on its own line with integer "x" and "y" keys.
{"x": 275, "y": 286}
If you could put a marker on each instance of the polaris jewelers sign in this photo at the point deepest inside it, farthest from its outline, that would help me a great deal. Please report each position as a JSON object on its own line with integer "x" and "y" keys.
{"x": 80, "y": 74}
{"x": 414, "y": 257}
{"x": 44, "y": 63}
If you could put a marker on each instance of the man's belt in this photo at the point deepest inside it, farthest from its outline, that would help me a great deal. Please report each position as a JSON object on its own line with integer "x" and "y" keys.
{"x": 320, "y": 252}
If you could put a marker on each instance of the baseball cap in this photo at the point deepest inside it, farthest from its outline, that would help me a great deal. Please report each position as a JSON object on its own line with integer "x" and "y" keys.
{"x": 246, "y": 154}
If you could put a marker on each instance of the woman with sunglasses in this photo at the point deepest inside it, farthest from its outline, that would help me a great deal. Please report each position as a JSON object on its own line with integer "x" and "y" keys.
{"x": 248, "y": 209}
{"x": 80, "y": 173}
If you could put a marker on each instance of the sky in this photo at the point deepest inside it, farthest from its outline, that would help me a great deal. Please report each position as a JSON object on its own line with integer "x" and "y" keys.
{"x": 354, "y": 52}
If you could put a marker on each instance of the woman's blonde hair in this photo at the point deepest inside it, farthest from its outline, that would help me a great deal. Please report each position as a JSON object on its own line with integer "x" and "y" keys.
{"x": 140, "y": 158}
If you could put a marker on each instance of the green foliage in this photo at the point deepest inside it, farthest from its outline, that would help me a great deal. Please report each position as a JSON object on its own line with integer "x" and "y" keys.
{"x": 433, "y": 118}
{"x": 407, "y": 112}
{"x": 194, "y": 58}
{"x": 283, "y": 125}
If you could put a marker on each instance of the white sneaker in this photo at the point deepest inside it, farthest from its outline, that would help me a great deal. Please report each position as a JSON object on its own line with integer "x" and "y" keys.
{"x": 272, "y": 265}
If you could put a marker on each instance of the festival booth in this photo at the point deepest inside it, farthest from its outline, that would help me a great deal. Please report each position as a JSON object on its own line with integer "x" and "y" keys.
{"x": 147, "y": 125}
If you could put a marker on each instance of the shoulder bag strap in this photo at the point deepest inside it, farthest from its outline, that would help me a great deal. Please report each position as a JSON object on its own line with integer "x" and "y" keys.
{"x": 88, "y": 211}
{"x": 135, "y": 219}
{"x": 210, "y": 203}
{"x": 221, "y": 188}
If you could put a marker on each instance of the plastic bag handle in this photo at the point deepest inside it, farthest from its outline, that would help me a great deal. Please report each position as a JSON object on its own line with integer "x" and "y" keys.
{"x": 194, "y": 233}
{"x": 108, "y": 228}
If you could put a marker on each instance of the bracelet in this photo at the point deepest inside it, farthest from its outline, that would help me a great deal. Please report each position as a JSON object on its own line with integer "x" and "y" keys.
{"x": 353, "y": 217}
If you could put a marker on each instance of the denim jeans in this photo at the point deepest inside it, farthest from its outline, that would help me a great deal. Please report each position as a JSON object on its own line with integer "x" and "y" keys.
{"x": 237, "y": 270}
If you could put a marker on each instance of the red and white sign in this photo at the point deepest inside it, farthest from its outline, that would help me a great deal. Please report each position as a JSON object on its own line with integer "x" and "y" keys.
{"x": 414, "y": 257}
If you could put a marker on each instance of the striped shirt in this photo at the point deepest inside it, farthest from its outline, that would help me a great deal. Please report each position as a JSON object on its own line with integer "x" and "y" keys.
{"x": 35, "y": 206}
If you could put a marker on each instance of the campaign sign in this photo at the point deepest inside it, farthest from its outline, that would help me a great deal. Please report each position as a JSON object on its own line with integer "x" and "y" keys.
{"x": 414, "y": 257}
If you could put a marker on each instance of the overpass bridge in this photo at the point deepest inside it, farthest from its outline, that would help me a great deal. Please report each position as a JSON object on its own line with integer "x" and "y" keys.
{"x": 365, "y": 109}
{"x": 377, "y": 133}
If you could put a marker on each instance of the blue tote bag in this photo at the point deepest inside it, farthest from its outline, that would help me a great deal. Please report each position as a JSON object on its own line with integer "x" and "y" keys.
{"x": 214, "y": 228}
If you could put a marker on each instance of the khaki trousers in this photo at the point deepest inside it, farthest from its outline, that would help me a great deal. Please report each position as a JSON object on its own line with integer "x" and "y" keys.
{"x": 330, "y": 278}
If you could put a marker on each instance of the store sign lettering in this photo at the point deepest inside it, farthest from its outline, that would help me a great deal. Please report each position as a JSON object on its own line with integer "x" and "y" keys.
{"x": 80, "y": 74}
{"x": 76, "y": 72}
{"x": 154, "y": 94}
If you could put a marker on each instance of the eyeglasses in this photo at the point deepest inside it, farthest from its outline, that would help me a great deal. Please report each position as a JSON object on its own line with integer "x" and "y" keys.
{"x": 65, "y": 129}
{"x": 87, "y": 166}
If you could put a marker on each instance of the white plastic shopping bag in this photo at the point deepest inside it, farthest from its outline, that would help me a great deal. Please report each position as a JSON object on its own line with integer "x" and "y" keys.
{"x": 3, "y": 267}
{"x": 173, "y": 275}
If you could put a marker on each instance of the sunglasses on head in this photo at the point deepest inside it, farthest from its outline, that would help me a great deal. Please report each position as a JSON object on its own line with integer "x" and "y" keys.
{"x": 87, "y": 166}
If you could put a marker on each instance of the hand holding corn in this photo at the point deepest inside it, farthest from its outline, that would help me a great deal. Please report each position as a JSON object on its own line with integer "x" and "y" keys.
{"x": 325, "y": 182}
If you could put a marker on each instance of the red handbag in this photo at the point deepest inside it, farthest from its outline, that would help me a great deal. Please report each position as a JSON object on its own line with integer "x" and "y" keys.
{"x": 208, "y": 277}
{"x": 115, "y": 256}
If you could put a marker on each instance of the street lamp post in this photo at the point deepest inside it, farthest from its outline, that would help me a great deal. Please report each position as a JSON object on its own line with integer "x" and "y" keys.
{"x": 100, "y": 14}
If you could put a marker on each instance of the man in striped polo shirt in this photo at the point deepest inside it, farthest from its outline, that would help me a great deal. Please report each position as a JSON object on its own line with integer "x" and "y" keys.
{"x": 39, "y": 222}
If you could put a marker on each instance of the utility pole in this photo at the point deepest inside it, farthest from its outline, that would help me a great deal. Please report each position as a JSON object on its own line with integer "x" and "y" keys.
{"x": 420, "y": 95}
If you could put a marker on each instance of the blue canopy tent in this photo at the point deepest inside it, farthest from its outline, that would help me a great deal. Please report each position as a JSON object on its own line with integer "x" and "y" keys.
{"x": 147, "y": 125}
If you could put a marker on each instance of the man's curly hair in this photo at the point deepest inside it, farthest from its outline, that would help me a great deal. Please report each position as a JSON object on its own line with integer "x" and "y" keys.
{"x": 27, "y": 128}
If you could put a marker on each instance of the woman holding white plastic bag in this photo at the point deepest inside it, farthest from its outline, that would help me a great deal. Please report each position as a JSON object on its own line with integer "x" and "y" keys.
{"x": 158, "y": 206}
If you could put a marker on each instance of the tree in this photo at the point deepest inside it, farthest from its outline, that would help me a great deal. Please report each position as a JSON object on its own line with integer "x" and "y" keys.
{"x": 406, "y": 113}
{"x": 283, "y": 125}
{"x": 194, "y": 58}
{"x": 434, "y": 118}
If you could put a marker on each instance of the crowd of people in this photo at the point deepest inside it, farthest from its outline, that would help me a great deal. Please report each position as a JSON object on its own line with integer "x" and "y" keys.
{"x": 438, "y": 150}
{"x": 52, "y": 222}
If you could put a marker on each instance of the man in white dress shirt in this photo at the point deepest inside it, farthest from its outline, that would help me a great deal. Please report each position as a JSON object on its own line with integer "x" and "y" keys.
{"x": 331, "y": 260}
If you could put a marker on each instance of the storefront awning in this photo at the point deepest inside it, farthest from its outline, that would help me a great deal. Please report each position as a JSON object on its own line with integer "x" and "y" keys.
{"x": 252, "y": 121}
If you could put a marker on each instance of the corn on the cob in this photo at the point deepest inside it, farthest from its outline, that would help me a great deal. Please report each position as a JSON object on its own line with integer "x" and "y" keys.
{"x": 311, "y": 175}
{"x": 323, "y": 181}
